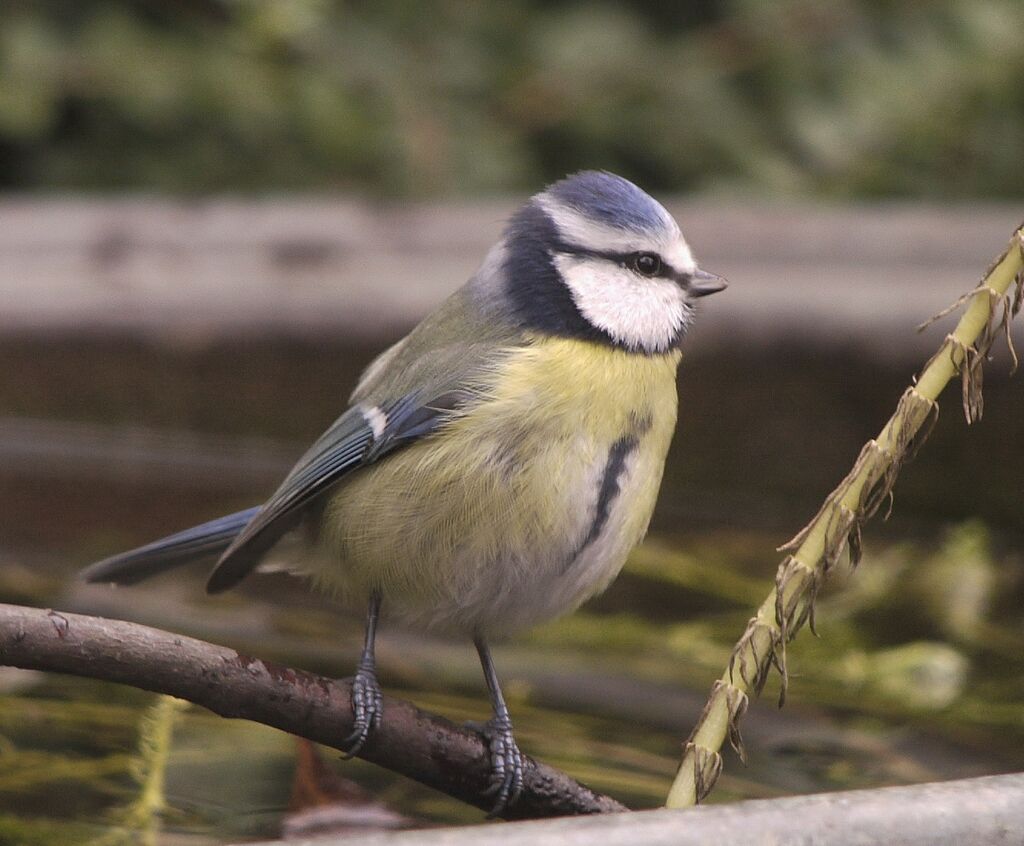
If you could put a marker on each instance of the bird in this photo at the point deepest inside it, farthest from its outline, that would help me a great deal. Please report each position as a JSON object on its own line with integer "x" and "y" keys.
{"x": 495, "y": 467}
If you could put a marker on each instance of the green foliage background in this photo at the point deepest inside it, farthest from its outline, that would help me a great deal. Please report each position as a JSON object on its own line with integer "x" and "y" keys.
{"x": 851, "y": 98}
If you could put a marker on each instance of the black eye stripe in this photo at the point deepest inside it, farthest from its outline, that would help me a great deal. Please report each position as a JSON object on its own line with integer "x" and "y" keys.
{"x": 665, "y": 271}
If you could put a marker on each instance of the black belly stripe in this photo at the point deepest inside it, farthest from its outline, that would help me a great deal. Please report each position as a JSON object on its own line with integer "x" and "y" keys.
{"x": 616, "y": 463}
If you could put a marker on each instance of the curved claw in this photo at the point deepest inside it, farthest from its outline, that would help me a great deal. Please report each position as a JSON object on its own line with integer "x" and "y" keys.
{"x": 367, "y": 711}
{"x": 506, "y": 765}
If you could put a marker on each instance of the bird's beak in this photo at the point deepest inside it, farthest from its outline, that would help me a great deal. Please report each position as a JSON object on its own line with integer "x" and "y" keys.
{"x": 702, "y": 283}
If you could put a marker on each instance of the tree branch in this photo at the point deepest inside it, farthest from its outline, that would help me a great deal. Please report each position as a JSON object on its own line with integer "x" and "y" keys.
{"x": 415, "y": 743}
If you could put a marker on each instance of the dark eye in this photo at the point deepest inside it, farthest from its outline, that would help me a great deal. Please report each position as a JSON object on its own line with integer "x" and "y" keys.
{"x": 646, "y": 264}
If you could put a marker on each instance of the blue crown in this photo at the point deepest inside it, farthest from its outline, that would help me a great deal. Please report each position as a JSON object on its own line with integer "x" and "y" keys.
{"x": 611, "y": 200}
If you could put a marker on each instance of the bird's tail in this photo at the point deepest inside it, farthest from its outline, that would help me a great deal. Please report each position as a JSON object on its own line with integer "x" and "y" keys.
{"x": 167, "y": 553}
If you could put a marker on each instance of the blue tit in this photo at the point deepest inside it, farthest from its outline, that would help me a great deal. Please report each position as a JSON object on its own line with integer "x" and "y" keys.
{"x": 495, "y": 467}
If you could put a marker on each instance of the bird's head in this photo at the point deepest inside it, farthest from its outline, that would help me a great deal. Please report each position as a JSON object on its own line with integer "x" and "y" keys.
{"x": 593, "y": 256}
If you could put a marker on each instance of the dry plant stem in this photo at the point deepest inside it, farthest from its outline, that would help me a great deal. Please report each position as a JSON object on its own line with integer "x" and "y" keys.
{"x": 837, "y": 525}
{"x": 155, "y": 747}
{"x": 412, "y": 742}
{"x": 140, "y": 822}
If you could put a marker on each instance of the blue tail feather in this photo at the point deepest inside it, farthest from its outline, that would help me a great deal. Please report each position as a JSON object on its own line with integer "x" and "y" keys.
{"x": 208, "y": 539}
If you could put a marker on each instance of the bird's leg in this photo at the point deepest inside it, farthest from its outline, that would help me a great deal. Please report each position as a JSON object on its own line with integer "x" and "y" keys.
{"x": 367, "y": 700}
{"x": 506, "y": 759}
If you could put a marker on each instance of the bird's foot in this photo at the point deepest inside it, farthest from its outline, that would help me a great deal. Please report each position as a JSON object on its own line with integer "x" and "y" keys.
{"x": 367, "y": 710}
{"x": 506, "y": 782}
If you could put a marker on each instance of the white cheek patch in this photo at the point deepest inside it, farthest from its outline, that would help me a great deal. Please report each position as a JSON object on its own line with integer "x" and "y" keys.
{"x": 642, "y": 314}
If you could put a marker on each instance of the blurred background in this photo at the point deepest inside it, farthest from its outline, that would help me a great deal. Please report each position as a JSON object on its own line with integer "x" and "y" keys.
{"x": 215, "y": 212}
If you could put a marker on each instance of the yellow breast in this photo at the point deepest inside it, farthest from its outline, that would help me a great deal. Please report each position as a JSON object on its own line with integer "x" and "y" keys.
{"x": 603, "y": 387}
{"x": 476, "y": 526}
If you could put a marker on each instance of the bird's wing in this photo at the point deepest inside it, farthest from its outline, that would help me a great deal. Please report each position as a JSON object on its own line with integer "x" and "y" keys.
{"x": 361, "y": 436}
{"x": 406, "y": 394}
{"x": 240, "y": 539}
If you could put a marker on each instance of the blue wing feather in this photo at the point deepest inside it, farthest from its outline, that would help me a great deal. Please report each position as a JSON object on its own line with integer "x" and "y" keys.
{"x": 347, "y": 445}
